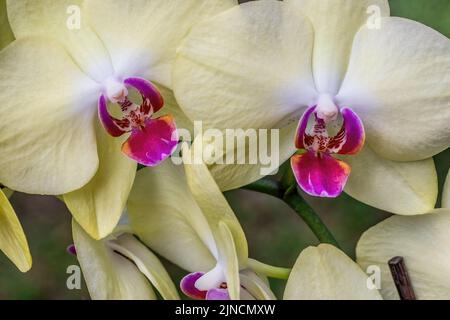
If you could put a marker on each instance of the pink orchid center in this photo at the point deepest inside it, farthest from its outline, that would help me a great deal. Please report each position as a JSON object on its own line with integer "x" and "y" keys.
{"x": 192, "y": 287}
{"x": 317, "y": 172}
{"x": 151, "y": 140}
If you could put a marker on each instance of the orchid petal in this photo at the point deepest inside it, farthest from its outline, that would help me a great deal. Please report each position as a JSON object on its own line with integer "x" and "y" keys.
{"x": 142, "y": 36}
{"x": 161, "y": 206}
{"x": 213, "y": 204}
{"x": 226, "y": 58}
{"x": 188, "y": 286}
{"x": 334, "y": 33}
{"x": 320, "y": 175}
{"x": 148, "y": 264}
{"x": 98, "y": 206}
{"x": 228, "y": 234}
{"x": 109, "y": 122}
{"x": 398, "y": 82}
{"x": 108, "y": 275}
{"x": 153, "y": 143}
{"x": 326, "y": 273}
{"x": 228, "y": 259}
{"x": 277, "y": 148}
{"x": 48, "y": 110}
{"x": 12, "y": 238}
{"x": 218, "y": 294}
{"x": 423, "y": 242}
{"x": 172, "y": 108}
{"x": 255, "y": 286}
{"x": 148, "y": 91}
{"x": 243, "y": 75}
{"x": 64, "y": 21}
{"x": 6, "y": 35}
{"x": 405, "y": 188}
{"x": 446, "y": 193}
{"x": 302, "y": 126}
{"x": 352, "y": 133}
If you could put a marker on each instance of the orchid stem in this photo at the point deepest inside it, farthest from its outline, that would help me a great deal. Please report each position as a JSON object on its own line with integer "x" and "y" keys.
{"x": 298, "y": 204}
{"x": 267, "y": 186}
{"x": 268, "y": 270}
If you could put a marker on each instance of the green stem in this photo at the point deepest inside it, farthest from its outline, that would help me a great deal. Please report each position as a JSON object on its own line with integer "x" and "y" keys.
{"x": 268, "y": 270}
{"x": 300, "y": 206}
{"x": 266, "y": 186}
{"x": 311, "y": 218}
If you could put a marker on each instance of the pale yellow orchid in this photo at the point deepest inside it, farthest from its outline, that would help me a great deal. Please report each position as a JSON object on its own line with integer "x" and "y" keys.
{"x": 181, "y": 214}
{"x": 326, "y": 273}
{"x": 120, "y": 267}
{"x": 424, "y": 244}
{"x": 343, "y": 64}
{"x": 12, "y": 238}
{"x": 70, "y": 58}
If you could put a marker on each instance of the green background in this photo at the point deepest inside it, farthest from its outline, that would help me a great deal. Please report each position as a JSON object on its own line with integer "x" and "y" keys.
{"x": 275, "y": 233}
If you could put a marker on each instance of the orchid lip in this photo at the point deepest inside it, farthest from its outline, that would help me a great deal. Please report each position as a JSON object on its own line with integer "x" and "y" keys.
{"x": 152, "y": 140}
{"x": 316, "y": 171}
{"x": 190, "y": 288}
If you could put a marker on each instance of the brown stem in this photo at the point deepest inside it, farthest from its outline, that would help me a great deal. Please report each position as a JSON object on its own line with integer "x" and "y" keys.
{"x": 401, "y": 278}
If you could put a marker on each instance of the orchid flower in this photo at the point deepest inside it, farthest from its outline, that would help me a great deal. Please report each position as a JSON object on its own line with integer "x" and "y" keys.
{"x": 187, "y": 220}
{"x": 326, "y": 273}
{"x": 424, "y": 244}
{"x": 12, "y": 238}
{"x": 83, "y": 81}
{"x": 351, "y": 77}
{"x": 120, "y": 267}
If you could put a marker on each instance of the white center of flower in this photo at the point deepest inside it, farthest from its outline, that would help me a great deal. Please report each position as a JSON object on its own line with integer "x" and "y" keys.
{"x": 212, "y": 279}
{"x": 326, "y": 108}
{"x": 115, "y": 91}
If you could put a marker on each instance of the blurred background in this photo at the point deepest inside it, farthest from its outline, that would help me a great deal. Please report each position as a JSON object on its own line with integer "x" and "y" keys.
{"x": 276, "y": 235}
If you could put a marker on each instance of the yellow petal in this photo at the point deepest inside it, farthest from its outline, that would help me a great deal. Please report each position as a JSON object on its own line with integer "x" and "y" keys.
{"x": 6, "y": 35}
{"x": 47, "y": 135}
{"x": 326, "y": 273}
{"x": 233, "y": 176}
{"x": 213, "y": 204}
{"x": 249, "y": 67}
{"x": 171, "y": 107}
{"x": 398, "y": 82}
{"x": 108, "y": 275}
{"x": 446, "y": 193}
{"x": 164, "y": 215}
{"x": 98, "y": 206}
{"x": 256, "y": 286}
{"x": 406, "y": 188}
{"x": 335, "y": 24}
{"x": 148, "y": 264}
{"x": 142, "y": 36}
{"x": 12, "y": 238}
{"x": 423, "y": 242}
{"x": 65, "y": 21}
{"x": 228, "y": 234}
{"x": 228, "y": 259}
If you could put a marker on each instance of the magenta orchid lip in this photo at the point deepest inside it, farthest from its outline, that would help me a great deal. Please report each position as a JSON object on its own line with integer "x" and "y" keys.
{"x": 152, "y": 140}
{"x": 317, "y": 172}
